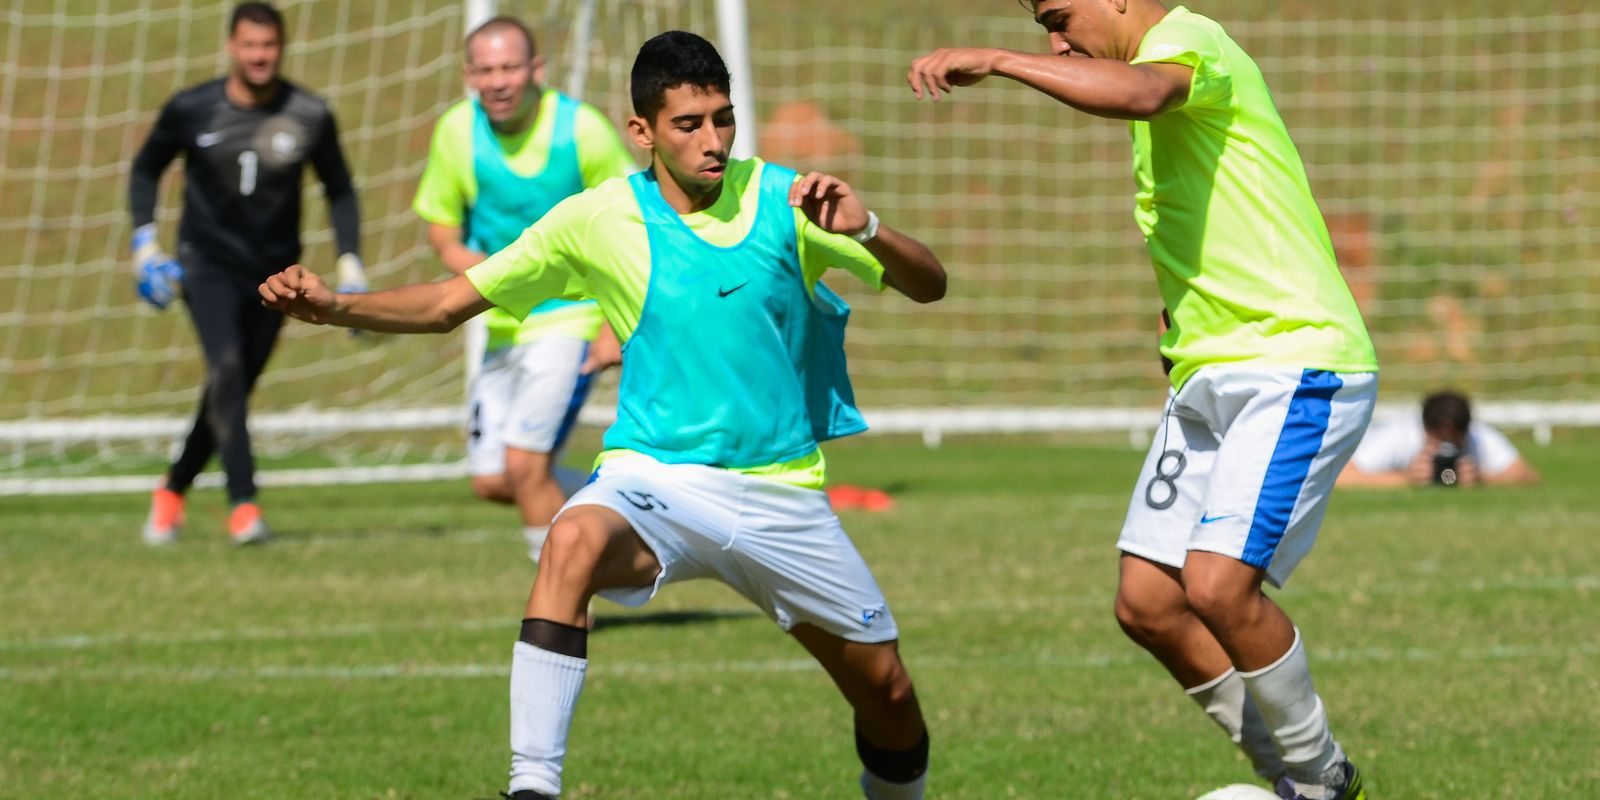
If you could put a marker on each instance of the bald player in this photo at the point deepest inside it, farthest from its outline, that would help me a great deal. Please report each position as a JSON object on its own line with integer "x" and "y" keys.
{"x": 498, "y": 162}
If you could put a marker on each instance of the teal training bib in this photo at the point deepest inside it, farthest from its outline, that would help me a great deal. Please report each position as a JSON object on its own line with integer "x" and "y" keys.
{"x": 508, "y": 203}
{"x": 733, "y": 363}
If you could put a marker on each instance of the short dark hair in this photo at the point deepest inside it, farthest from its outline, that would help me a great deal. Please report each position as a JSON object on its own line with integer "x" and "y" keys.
{"x": 670, "y": 60}
{"x": 1446, "y": 414}
{"x": 258, "y": 13}
{"x": 502, "y": 24}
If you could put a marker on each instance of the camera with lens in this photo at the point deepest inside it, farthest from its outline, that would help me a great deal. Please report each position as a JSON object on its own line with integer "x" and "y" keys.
{"x": 1445, "y": 464}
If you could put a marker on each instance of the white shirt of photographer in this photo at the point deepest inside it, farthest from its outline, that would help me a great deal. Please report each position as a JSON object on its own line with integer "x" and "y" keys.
{"x": 1394, "y": 444}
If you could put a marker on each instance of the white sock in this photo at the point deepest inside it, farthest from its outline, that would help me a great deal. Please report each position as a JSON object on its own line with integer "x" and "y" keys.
{"x": 1226, "y": 700}
{"x": 1294, "y": 714}
{"x": 876, "y": 788}
{"x": 544, "y": 691}
{"x": 535, "y": 536}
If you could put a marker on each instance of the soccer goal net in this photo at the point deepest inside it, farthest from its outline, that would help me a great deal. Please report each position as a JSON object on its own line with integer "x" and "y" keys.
{"x": 1451, "y": 146}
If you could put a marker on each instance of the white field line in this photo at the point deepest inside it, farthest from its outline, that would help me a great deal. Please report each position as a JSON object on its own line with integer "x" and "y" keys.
{"x": 667, "y": 670}
{"x": 1575, "y": 583}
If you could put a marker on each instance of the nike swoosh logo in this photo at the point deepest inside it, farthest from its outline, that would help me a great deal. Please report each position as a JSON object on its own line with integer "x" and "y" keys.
{"x": 1205, "y": 520}
{"x": 725, "y": 292}
{"x": 205, "y": 140}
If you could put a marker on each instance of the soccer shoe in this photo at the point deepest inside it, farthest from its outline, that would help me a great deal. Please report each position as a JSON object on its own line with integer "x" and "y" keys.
{"x": 245, "y": 525}
{"x": 525, "y": 794}
{"x": 166, "y": 515}
{"x": 1349, "y": 789}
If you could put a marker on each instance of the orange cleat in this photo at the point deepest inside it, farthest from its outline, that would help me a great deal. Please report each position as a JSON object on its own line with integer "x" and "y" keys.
{"x": 166, "y": 516}
{"x": 246, "y": 526}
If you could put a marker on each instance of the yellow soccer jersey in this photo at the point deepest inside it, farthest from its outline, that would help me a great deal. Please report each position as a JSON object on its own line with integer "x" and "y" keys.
{"x": 1241, "y": 253}
{"x": 449, "y": 188}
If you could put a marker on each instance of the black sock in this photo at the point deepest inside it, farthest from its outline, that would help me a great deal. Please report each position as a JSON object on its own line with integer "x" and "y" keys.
{"x": 894, "y": 766}
{"x": 567, "y": 640}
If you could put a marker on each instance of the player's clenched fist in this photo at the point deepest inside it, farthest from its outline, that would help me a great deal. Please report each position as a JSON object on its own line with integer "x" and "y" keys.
{"x": 299, "y": 293}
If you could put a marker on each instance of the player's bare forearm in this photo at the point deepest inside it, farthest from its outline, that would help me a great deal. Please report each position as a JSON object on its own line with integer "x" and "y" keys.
{"x": 908, "y": 265}
{"x": 1101, "y": 86}
{"x": 446, "y": 241}
{"x": 418, "y": 308}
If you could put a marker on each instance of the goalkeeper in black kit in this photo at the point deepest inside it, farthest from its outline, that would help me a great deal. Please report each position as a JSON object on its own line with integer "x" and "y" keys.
{"x": 246, "y": 139}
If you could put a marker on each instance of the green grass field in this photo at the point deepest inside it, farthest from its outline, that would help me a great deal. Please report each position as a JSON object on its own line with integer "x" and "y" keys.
{"x": 364, "y": 654}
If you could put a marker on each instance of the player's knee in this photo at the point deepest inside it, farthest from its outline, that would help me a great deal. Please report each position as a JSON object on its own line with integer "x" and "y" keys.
{"x": 227, "y": 373}
{"x": 491, "y": 487}
{"x": 572, "y": 552}
{"x": 225, "y": 391}
{"x": 1142, "y": 622}
{"x": 1219, "y": 602}
{"x": 894, "y": 695}
{"x": 899, "y": 694}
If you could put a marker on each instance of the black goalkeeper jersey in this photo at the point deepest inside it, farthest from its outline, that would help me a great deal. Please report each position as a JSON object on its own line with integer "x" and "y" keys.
{"x": 244, "y": 169}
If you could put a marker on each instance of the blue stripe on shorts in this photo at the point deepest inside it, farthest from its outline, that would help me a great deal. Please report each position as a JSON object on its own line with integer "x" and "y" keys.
{"x": 580, "y": 393}
{"x": 1298, "y": 443}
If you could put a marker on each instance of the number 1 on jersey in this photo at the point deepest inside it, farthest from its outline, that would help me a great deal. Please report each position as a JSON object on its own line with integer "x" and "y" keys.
{"x": 247, "y": 172}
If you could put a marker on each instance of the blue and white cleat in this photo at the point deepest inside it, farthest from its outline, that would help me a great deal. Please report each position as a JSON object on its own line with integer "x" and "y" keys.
{"x": 1348, "y": 789}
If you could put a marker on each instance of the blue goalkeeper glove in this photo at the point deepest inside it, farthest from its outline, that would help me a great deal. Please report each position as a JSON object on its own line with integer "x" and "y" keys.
{"x": 352, "y": 275}
{"x": 352, "y": 280}
{"x": 156, "y": 273}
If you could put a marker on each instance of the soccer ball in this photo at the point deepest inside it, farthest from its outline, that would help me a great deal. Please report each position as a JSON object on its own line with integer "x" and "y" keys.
{"x": 1239, "y": 791}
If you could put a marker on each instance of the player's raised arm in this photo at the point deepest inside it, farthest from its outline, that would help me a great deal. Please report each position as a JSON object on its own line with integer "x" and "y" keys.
{"x": 1104, "y": 77}
{"x": 417, "y": 308}
{"x": 1103, "y": 87}
{"x": 908, "y": 265}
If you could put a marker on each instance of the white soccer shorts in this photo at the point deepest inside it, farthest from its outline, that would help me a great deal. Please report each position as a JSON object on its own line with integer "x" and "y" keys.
{"x": 780, "y": 546}
{"x": 1243, "y": 464}
{"x": 525, "y": 396}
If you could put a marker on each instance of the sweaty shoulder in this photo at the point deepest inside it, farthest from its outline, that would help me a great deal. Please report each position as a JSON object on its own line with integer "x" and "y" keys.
{"x": 1186, "y": 38}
